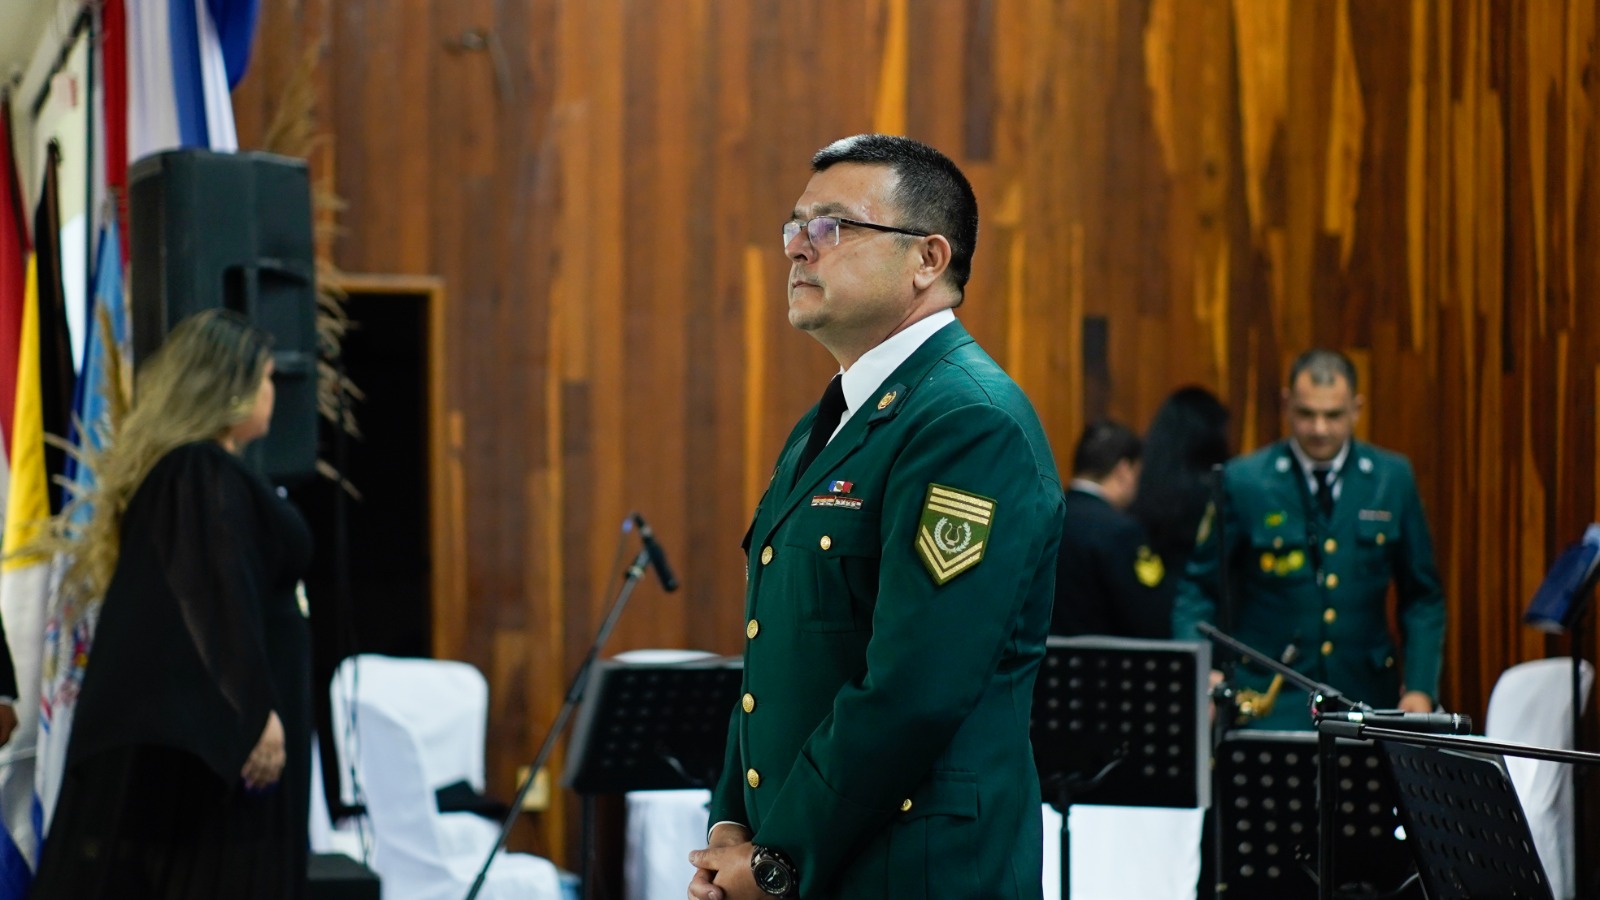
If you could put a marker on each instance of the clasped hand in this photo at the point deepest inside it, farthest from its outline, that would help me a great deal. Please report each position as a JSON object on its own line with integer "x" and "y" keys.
{"x": 264, "y": 766}
{"x": 722, "y": 869}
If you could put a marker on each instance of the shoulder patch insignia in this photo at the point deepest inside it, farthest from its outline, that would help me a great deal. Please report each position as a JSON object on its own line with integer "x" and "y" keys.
{"x": 1148, "y": 568}
{"x": 953, "y": 531}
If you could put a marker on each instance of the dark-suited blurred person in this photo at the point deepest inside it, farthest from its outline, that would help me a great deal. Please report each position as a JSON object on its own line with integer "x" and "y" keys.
{"x": 188, "y": 764}
{"x": 1187, "y": 438}
{"x": 1108, "y": 579}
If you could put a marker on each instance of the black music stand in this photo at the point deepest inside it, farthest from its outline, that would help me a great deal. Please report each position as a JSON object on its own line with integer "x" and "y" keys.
{"x": 653, "y": 726}
{"x": 649, "y": 727}
{"x": 1266, "y": 796}
{"x": 1121, "y": 722}
{"x": 1560, "y": 606}
{"x": 1465, "y": 824}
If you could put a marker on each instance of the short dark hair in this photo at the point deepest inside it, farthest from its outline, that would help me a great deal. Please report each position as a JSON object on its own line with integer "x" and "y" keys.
{"x": 1104, "y": 444}
{"x": 1324, "y": 366}
{"x": 932, "y": 193}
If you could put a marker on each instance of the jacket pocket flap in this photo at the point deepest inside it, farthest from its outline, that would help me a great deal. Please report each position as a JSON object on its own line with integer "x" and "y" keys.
{"x": 946, "y": 794}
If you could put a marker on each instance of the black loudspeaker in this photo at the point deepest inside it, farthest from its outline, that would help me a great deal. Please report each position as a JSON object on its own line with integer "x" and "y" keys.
{"x": 232, "y": 230}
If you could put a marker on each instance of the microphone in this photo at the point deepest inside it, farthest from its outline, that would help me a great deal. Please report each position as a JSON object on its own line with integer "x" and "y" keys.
{"x": 658, "y": 557}
{"x": 1424, "y": 723}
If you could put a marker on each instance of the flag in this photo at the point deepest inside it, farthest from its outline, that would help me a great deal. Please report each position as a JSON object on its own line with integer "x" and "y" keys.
{"x": 13, "y": 274}
{"x": 56, "y": 372}
{"x": 23, "y": 584}
{"x": 182, "y": 58}
{"x": 69, "y": 626}
{"x": 15, "y": 871}
{"x": 43, "y": 383}
{"x": 113, "y": 75}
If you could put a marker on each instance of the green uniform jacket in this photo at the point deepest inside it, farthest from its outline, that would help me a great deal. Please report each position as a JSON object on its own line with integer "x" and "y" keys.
{"x": 882, "y": 740}
{"x": 1336, "y": 617}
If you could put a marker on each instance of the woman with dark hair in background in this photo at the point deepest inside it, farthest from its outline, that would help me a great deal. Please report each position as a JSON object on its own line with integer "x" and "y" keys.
{"x": 188, "y": 764}
{"x": 1188, "y": 436}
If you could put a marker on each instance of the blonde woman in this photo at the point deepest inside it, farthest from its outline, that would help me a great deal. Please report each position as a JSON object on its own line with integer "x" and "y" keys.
{"x": 187, "y": 769}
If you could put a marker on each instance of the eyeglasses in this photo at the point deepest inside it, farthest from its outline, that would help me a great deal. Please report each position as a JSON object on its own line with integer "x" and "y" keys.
{"x": 823, "y": 231}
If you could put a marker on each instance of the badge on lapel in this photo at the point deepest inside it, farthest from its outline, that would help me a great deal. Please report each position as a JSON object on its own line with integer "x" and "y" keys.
{"x": 838, "y": 496}
{"x": 953, "y": 531}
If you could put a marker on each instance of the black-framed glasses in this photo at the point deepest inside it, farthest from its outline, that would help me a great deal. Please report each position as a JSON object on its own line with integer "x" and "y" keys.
{"x": 823, "y": 231}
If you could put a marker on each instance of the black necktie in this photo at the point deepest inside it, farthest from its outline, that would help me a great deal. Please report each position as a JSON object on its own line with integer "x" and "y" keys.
{"x": 1325, "y": 481}
{"x": 829, "y": 410}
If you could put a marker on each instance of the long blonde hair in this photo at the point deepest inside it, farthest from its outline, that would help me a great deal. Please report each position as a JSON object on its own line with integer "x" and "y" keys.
{"x": 201, "y": 382}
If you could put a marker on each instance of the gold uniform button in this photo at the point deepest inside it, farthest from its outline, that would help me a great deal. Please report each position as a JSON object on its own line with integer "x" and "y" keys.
{"x": 753, "y": 777}
{"x": 766, "y": 554}
{"x": 1332, "y": 581}
{"x": 1277, "y": 542}
{"x": 751, "y": 629}
{"x": 1330, "y": 545}
{"x": 1381, "y": 538}
{"x": 906, "y": 806}
{"x": 1327, "y": 648}
{"x": 749, "y": 703}
{"x": 1328, "y": 615}
{"x": 826, "y": 542}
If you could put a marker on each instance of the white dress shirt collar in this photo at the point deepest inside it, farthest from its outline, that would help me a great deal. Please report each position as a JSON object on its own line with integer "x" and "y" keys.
{"x": 863, "y": 379}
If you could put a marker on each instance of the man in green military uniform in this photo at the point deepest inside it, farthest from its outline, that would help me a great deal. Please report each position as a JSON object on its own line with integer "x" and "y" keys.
{"x": 901, "y": 567}
{"x": 1317, "y": 526}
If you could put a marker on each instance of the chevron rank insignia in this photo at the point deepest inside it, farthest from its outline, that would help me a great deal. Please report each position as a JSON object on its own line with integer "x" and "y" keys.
{"x": 953, "y": 531}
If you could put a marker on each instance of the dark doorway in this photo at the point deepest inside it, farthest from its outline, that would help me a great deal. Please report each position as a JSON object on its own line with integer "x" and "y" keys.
{"x": 370, "y": 584}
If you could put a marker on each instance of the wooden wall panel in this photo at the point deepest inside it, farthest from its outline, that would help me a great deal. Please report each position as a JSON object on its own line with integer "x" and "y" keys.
{"x": 1212, "y": 185}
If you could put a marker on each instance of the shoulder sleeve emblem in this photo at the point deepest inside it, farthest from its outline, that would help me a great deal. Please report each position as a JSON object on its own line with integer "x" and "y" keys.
{"x": 953, "y": 531}
{"x": 1148, "y": 568}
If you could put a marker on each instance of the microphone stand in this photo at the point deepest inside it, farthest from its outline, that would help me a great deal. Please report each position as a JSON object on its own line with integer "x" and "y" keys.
{"x": 1455, "y": 742}
{"x": 1578, "y": 777}
{"x": 1320, "y": 693}
{"x": 1224, "y": 614}
{"x": 580, "y": 681}
{"x": 1224, "y": 699}
{"x": 1327, "y": 748}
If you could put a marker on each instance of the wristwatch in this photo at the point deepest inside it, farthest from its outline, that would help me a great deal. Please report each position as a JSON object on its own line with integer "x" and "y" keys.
{"x": 774, "y": 872}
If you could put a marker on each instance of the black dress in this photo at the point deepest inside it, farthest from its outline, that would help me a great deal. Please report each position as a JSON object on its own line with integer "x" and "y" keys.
{"x": 201, "y": 637}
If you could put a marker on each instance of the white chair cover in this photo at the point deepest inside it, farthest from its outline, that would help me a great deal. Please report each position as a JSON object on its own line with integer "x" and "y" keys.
{"x": 1122, "y": 852}
{"x": 414, "y": 726}
{"x": 1532, "y": 704}
{"x": 663, "y": 826}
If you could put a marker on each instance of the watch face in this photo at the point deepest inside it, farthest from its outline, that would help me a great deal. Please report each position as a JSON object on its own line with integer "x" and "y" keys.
{"x": 772, "y": 877}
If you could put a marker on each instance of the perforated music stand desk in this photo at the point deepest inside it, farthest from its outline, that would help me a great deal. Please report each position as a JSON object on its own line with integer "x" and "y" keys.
{"x": 1121, "y": 722}
{"x": 1467, "y": 829}
{"x": 1266, "y": 796}
{"x": 652, "y": 726}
